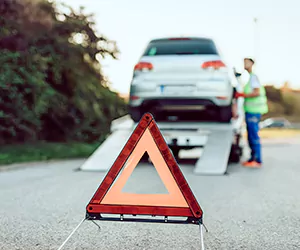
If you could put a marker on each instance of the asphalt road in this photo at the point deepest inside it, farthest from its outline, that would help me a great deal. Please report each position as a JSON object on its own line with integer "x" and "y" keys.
{"x": 247, "y": 209}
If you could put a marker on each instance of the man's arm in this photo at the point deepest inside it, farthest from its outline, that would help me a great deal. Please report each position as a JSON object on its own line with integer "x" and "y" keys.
{"x": 255, "y": 84}
{"x": 255, "y": 93}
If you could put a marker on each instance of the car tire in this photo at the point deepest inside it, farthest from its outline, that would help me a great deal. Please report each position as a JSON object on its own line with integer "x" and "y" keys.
{"x": 235, "y": 154}
{"x": 225, "y": 114}
{"x": 135, "y": 114}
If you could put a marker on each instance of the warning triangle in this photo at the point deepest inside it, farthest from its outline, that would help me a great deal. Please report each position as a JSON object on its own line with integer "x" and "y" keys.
{"x": 109, "y": 198}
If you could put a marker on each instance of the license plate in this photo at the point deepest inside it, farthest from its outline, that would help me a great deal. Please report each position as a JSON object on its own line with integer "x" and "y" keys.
{"x": 177, "y": 89}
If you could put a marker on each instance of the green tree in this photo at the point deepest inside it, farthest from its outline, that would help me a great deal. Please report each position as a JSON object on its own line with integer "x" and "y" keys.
{"x": 51, "y": 84}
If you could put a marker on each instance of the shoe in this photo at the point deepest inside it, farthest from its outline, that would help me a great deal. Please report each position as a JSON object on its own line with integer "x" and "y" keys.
{"x": 247, "y": 162}
{"x": 252, "y": 164}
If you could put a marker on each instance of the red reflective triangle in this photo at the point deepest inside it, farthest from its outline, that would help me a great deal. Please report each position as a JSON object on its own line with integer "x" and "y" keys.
{"x": 109, "y": 198}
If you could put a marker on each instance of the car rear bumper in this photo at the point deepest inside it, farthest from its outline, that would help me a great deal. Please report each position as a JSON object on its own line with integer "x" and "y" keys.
{"x": 183, "y": 103}
{"x": 178, "y": 107}
{"x": 217, "y": 91}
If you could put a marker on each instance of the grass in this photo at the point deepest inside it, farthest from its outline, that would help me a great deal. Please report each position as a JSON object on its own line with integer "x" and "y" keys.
{"x": 44, "y": 151}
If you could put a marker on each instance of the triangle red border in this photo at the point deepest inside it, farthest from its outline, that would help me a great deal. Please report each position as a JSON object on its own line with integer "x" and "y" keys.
{"x": 194, "y": 210}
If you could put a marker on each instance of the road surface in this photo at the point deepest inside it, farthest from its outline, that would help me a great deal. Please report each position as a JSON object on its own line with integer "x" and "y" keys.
{"x": 247, "y": 209}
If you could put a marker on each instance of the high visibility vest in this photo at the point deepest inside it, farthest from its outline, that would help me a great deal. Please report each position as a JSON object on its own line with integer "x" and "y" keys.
{"x": 255, "y": 105}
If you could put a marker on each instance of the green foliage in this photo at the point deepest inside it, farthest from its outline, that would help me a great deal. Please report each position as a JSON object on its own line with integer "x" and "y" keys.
{"x": 283, "y": 103}
{"x": 274, "y": 94}
{"x": 51, "y": 85}
{"x": 291, "y": 104}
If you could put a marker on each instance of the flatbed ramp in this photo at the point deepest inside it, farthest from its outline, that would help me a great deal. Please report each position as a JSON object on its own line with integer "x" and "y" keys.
{"x": 216, "y": 140}
{"x": 214, "y": 159}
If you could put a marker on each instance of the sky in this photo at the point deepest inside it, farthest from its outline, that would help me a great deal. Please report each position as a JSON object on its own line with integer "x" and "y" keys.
{"x": 274, "y": 40}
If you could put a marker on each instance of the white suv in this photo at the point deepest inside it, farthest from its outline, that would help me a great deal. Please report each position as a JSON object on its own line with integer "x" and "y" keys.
{"x": 182, "y": 77}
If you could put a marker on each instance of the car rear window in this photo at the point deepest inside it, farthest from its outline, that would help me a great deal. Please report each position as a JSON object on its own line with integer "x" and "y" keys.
{"x": 181, "y": 47}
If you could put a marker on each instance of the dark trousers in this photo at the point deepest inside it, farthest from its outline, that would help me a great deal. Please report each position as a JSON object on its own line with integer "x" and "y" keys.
{"x": 252, "y": 123}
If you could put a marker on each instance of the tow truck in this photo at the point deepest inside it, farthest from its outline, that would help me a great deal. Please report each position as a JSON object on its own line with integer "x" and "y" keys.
{"x": 221, "y": 143}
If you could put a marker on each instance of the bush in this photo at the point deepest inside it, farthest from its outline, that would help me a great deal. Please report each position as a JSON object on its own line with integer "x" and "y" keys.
{"x": 291, "y": 103}
{"x": 51, "y": 85}
{"x": 273, "y": 94}
{"x": 285, "y": 103}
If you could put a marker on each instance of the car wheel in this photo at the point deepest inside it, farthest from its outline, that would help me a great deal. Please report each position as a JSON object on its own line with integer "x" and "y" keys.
{"x": 235, "y": 154}
{"x": 225, "y": 114}
{"x": 135, "y": 114}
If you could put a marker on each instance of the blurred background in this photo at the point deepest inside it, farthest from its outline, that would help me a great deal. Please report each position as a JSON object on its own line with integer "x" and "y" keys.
{"x": 65, "y": 70}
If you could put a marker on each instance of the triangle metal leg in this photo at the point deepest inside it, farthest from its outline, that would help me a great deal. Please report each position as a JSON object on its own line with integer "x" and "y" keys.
{"x": 75, "y": 229}
{"x": 96, "y": 225}
{"x": 201, "y": 227}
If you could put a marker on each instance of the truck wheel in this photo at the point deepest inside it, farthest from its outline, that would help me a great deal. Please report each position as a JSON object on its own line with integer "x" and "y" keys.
{"x": 225, "y": 114}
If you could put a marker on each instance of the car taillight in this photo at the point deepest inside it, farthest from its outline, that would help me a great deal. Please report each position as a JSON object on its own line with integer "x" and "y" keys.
{"x": 213, "y": 64}
{"x": 134, "y": 98}
{"x": 142, "y": 66}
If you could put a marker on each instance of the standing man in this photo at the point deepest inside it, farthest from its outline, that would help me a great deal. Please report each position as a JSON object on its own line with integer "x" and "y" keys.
{"x": 255, "y": 106}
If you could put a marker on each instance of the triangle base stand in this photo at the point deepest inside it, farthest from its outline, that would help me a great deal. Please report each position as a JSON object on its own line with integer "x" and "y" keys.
{"x": 189, "y": 220}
